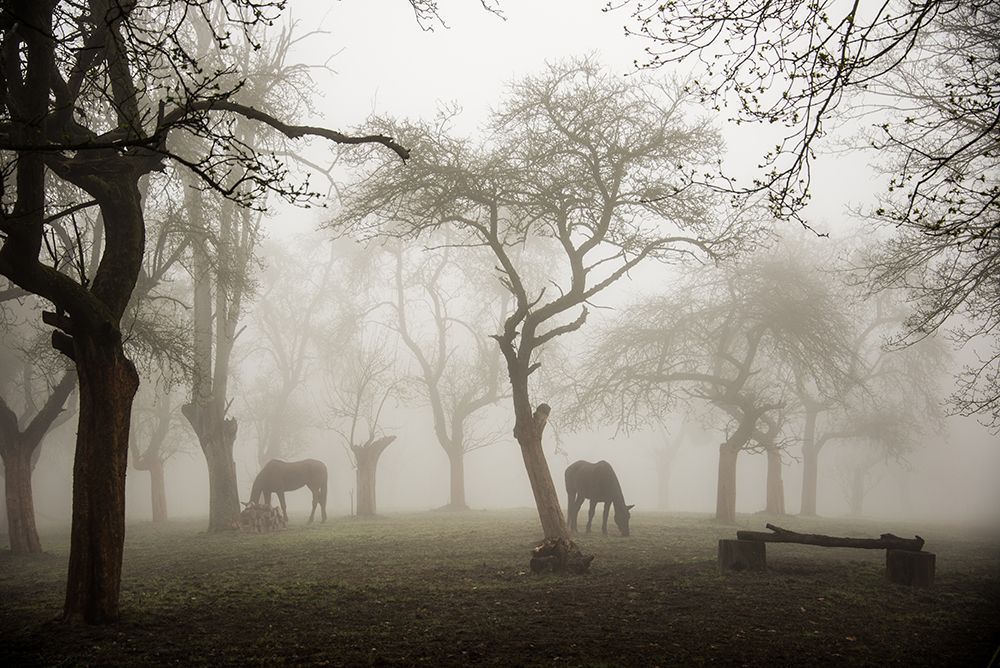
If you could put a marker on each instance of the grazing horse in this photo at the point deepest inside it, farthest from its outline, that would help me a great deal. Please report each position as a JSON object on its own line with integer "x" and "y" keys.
{"x": 278, "y": 477}
{"x": 597, "y": 482}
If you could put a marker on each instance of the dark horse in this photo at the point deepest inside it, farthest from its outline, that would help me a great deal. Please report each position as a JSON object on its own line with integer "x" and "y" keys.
{"x": 278, "y": 477}
{"x": 597, "y": 482}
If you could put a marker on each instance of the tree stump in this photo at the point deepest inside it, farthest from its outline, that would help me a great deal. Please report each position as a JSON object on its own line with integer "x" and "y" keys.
{"x": 910, "y": 568}
{"x": 558, "y": 555}
{"x": 742, "y": 555}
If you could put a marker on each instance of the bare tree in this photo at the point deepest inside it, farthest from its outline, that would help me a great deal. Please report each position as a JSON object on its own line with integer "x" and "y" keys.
{"x": 878, "y": 378}
{"x": 155, "y": 439}
{"x": 92, "y": 98}
{"x": 458, "y": 385}
{"x": 599, "y": 167}
{"x": 34, "y": 390}
{"x": 727, "y": 338}
{"x": 923, "y": 74}
{"x": 297, "y": 288}
{"x": 359, "y": 388}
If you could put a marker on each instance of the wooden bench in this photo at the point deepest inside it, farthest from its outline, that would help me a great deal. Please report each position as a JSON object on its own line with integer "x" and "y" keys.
{"x": 905, "y": 561}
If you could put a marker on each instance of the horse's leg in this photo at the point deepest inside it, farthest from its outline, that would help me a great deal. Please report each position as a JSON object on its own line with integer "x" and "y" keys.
{"x": 281, "y": 500}
{"x": 322, "y": 501}
{"x": 575, "y": 501}
{"x": 315, "y": 502}
{"x": 604, "y": 526}
{"x": 590, "y": 514}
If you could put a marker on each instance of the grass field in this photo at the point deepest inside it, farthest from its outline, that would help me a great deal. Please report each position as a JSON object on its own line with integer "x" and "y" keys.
{"x": 452, "y": 588}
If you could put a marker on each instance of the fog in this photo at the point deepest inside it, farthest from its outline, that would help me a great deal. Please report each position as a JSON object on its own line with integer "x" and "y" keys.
{"x": 385, "y": 65}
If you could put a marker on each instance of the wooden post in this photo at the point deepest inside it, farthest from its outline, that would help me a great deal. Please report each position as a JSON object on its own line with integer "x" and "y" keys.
{"x": 910, "y": 568}
{"x": 742, "y": 555}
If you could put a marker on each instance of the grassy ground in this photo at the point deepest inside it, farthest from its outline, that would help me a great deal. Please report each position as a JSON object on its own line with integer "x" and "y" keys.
{"x": 452, "y": 588}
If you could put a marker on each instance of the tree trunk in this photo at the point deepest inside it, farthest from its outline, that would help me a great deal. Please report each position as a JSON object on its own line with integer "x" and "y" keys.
{"x": 529, "y": 437}
{"x": 725, "y": 501}
{"x": 775, "y": 502}
{"x": 366, "y": 487}
{"x": 366, "y": 462}
{"x": 20, "y": 502}
{"x": 108, "y": 382}
{"x": 158, "y": 490}
{"x": 810, "y": 466}
{"x": 456, "y": 498}
{"x": 217, "y": 437}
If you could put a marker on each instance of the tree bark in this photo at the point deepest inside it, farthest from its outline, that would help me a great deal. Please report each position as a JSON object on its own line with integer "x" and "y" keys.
{"x": 20, "y": 502}
{"x": 810, "y": 465}
{"x": 108, "y": 382}
{"x": 206, "y": 411}
{"x": 217, "y": 437}
{"x": 366, "y": 487}
{"x": 883, "y": 542}
{"x": 158, "y": 491}
{"x": 19, "y": 449}
{"x": 366, "y": 464}
{"x": 775, "y": 501}
{"x": 456, "y": 497}
{"x": 725, "y": 501}
{"x": 529, "y": 436}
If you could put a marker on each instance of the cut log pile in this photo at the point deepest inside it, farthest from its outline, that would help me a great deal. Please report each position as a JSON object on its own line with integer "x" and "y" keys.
{"x": 558, "y": 555}
{"x": 259, "y": 518}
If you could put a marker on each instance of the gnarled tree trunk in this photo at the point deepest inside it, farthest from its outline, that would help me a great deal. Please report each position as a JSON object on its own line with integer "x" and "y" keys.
{"x": 20, "y": 502}
{"x": 456, "y": 496}
{"x": 775, "y": 497}
{"x": 19, "y": 449}
{"x": 366, "y": 463}
{"x": 217, "y": 437}
{"x": 158, "y": 491}
{"x": 108, "y": 382}
{"x": 528, "y": 432}
{"x": 725, "y": 500}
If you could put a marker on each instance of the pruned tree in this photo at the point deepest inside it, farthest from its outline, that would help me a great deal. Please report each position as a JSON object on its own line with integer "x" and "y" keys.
{"x": 94, "y": 94}
{"x": 360, "y": 385}
{"x": 600, "y": 168}
{"x": 458, "y": 383}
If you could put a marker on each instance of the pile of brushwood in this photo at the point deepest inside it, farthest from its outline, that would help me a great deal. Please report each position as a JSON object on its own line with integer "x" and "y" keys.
{"x": 559, "y": 555}
{"x": 261, "y": 518}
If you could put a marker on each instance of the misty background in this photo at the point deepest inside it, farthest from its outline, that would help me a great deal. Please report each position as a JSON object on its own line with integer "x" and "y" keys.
{"x": 383, "y": 65}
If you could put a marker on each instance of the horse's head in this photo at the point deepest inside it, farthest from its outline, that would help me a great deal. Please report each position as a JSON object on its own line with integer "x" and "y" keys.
{"x": 621, "y": 518}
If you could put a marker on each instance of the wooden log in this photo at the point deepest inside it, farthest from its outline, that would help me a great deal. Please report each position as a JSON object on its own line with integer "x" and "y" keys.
{"x": 910, "y": 568}
{"x": 886, "y": 541}
{"x": 742, "y": 555}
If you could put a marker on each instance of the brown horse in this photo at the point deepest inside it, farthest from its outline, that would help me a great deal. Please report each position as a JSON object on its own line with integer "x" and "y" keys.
{"x": 597, "y": 482}
{"x": 278, "y": 477}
